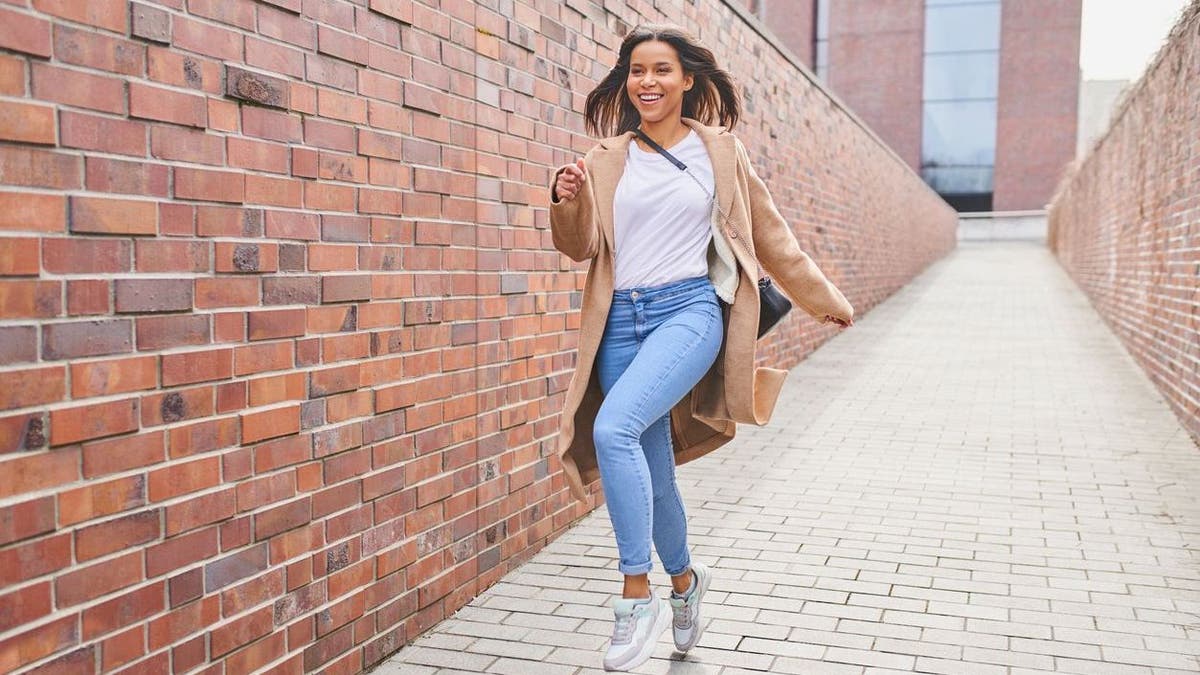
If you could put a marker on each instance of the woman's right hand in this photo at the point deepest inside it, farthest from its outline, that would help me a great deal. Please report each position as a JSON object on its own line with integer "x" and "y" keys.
{"x": 571, "y": 177}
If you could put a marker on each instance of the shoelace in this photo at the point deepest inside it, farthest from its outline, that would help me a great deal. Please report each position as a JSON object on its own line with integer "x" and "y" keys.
{"x": 683, "y": 614}
{"x": 623, "y": 629}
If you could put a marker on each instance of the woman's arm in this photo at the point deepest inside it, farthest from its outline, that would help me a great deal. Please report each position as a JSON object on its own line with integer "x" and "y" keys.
{"x": 572, "y": 223}
{"x": 782, "y": 257}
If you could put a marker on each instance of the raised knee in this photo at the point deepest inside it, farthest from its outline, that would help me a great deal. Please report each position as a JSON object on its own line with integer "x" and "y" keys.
{"x": 609, "y": 432}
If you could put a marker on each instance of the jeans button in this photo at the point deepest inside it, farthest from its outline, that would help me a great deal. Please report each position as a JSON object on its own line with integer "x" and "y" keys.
{"x": 633, "y": 294}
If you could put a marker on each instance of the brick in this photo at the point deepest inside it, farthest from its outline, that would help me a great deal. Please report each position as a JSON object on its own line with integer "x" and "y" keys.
{"x": 37, "y": 168}
{"x": 83, "y": 423}
{"x": 121, "y": 454}
{"x": 88, "y": 296}
{"x": 199, "y": 511}
{"x": 26, "y": 519}
{"x": 202, "y": 366}
{"x": 153, "y": 295}
{"x": 228, "y": 221}
{"x": 167, "y": 105}
{"x": 346, "y": 168}
{"x": 207, "y": 185}
{"x": 98, "y": 51}
{"x": 162, "y": 255}
{"x": 113, "y": 376}
{"x": 24, "y": 606}
{"x": 122, "y": 611}
{"x": 106, "y": 14}
{"x": 25, "y": 33}
{"x": 113, "y": 216}
{"x": 92, "y": 132}
{"x": 234, "y": 568}
{"x": 189, "y": 145}
{"x": 174, "y": 406}
{"x": 19, "y": 256}
{"x": 241, "y": 631}
{"x": 281, "y": 518}
{"x": 181, "y": 551}
{"x": 30, "y": 299}
{"x": 257, "y": 155}
{"x": 114, "y": 175}
{"x": 117, "y": 534}
{"x": 341, "y": 288}
{"x": 271, "y": 124}
{"x": 261, "y": 358}
{"x": 31, "y": 387}
{"x": 33, "y": 559}
{"x": 161, "y": 332}
{"x": 78, "y": 255}
{"x": 37, "y": 643}
{"x": 150, "y": 23}
{"x": 27, "y": 122}
{"x": 226, "y": 292}
{"x": 183, "y": 621}
{"x": 271, "y": 191}
{"x": 257, "y": 88}
{"x": 118, "y": 650}
{"x": 33, "y": 212}
{"x": 292, "y": 225}
{"x": 87, "y": 583}
{"x": 291, "y": 290}
{"x": 100, "y": 499}
{"x": 209, "y": 40}
{"x": 237, "y": 257}
{"x": 77, "y": 88}
{"x": 86, "y": 338}
{"x": 266, "y": 424}
{"x": 18, "y": 344}
{"x": 12, "y": 76}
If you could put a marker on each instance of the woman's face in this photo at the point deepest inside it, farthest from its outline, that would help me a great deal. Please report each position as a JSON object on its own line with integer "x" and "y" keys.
{"x": 656, "y": 81}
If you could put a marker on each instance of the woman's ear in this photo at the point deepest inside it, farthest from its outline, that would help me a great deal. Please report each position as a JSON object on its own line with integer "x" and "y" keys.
{"x": 688, "y": 81}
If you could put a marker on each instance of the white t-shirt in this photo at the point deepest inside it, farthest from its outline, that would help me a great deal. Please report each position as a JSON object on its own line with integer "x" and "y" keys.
{"x": 661, "y": 216}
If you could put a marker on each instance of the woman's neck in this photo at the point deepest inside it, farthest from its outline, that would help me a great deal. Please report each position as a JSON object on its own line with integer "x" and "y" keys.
{"x": 666, "y": 132}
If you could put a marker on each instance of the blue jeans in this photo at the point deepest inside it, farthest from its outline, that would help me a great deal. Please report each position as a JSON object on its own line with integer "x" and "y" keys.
{"x": 658, "y": 343}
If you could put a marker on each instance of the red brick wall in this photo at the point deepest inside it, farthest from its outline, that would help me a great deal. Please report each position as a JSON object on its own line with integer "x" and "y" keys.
{"x": 794, "y": 23}
{"x": 283, "y": 337}
{"x": 1125, "y": 222}
{"x": 1038, "y": 100}
{"x": 877, "y": 65}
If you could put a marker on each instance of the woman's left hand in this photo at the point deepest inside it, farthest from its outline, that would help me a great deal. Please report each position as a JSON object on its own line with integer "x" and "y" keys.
{"x": 841, "y": 322}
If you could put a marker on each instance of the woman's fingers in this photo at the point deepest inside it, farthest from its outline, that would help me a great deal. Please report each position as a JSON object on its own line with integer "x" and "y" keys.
{"x": 570, "y": 178}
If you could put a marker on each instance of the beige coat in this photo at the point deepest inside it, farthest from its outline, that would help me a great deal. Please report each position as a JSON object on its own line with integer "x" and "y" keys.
{"x": 733, "y": 390}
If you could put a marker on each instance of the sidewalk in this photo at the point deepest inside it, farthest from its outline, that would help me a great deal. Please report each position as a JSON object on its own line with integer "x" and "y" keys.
{"x": 975, "y": 478}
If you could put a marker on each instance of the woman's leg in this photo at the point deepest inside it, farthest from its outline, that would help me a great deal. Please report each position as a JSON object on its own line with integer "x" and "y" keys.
{"x": 684, "y": 336}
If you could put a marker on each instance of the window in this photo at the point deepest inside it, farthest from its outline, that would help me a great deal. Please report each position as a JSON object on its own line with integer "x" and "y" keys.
{"x": 961, "y": 75}
{"x": 821, "y": 41}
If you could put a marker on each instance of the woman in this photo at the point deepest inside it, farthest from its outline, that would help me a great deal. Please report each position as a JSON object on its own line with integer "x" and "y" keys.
{"x": 670, "y": 310}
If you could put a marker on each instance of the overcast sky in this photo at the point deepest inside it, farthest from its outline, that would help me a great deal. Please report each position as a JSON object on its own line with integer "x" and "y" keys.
{"x": 1120, "y": 37}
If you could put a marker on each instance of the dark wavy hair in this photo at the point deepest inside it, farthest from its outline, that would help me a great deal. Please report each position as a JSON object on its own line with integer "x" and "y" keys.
{"x": 713, "y": 97}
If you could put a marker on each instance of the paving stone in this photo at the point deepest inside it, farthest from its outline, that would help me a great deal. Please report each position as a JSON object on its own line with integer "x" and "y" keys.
{"x": 976, "y": 478}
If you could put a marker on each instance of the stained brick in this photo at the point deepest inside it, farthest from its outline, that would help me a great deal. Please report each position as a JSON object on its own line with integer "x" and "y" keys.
{"x": 86, "y": 338}
{"x": 153, "y": 295}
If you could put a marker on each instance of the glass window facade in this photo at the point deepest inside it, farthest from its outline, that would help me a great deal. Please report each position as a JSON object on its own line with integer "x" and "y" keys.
{"x": 961, "y": 74}
{"x": 821, "y": 44}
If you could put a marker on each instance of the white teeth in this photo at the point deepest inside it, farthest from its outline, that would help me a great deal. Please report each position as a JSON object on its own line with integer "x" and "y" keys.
{"x": 649, "y": 97}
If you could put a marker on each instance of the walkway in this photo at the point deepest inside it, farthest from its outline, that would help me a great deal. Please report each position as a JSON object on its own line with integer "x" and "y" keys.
{"x": 975, "y": 478}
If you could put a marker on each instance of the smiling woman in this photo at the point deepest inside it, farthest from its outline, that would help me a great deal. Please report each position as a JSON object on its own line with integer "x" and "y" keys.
{"x": 670, "y": 311}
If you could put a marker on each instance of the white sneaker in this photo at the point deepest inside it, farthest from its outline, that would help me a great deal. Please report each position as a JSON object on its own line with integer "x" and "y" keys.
{"x": 686, "y": 628}
{"x": 637, "y": 627}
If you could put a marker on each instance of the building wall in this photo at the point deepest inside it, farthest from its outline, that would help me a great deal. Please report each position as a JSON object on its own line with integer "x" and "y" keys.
{"x": 1038, "y": 102}
{"x": 1125, "y": 223}
{"x": 283, "y": 336}
{"x": 876, "y": 62}
{"x": 792, "y": 22}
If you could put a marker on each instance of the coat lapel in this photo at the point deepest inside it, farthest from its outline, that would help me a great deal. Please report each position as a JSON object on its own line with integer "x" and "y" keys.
{"x": 608, "y": 163}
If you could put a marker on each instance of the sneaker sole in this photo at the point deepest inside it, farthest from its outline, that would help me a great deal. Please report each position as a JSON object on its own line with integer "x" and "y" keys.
{"x": 701, "y": 587}
{"x": 660, "y": 626}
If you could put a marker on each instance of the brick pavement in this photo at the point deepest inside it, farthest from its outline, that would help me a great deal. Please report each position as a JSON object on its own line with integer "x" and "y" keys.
{"x": 975, "y": 478}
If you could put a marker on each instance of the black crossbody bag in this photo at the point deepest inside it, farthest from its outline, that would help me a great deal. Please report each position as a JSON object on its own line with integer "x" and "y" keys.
{"x": 772, "y": 304}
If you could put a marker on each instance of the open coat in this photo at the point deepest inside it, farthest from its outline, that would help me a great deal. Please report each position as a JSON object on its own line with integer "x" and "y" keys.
{"x": 733, "y": 390}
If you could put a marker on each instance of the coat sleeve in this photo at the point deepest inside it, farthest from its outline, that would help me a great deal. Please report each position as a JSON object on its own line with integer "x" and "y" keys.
{"x": 781, "y": 256}
{"x": 573, "y": 224}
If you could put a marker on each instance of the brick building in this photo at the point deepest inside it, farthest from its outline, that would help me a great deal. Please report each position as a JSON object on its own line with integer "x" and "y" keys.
{"x": 979, "y": 96}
